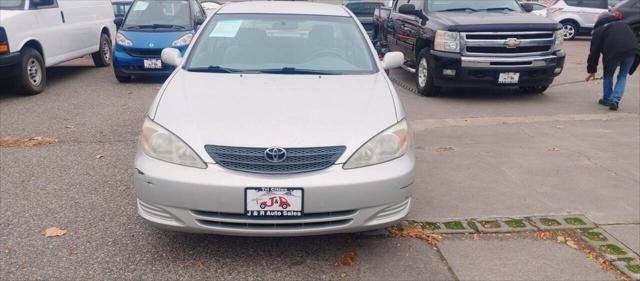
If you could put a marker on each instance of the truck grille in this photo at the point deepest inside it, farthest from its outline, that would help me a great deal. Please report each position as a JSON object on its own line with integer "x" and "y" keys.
{"x": 507, "y": 43}
{"x": 298, "y": 160}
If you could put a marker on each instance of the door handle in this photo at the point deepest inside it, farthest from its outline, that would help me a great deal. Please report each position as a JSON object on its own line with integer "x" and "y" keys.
{"x": 62, "y": 15}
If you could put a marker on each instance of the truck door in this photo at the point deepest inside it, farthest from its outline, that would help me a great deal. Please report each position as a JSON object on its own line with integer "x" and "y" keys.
{"x": 407, "y": 29}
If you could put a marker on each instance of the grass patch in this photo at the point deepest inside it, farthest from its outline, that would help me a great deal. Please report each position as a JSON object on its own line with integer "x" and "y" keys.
{"x": 490, "y": 224}
{"x": 430, "y": 226}
{"x": 635, "y": 268}
{"x": 549, "y": 222}
{"x": 473, "y": 225}
{"x": 595, "y": 236}
{"x": 457, "y": 225}
{"x": 575, "y": 221}
{"x": 612, "y": 250}
{"x": 516, "y": 223}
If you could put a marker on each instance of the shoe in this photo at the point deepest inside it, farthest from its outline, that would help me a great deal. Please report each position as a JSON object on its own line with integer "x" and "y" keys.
{"x": 613, "y": 106}
{"x": 604, "y": 102}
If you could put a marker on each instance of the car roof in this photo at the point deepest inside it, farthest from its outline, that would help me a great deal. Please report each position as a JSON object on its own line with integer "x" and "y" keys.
{"x": 283, "y": 7}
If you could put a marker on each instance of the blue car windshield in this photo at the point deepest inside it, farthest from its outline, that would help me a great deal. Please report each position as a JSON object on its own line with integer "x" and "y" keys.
{"x": 281, "y": 44}
{"x": 11, "y": 4}
{"x": 158, "y": 14}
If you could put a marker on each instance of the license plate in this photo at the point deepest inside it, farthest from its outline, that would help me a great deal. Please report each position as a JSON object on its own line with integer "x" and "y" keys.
{"x": 509, "y": 78}
{"x": 273, "y": 202}
{"x": 153, "y": 63}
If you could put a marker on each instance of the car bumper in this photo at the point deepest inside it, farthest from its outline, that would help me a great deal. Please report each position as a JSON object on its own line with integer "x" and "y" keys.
{"x": 212, "y": 200}
{"x": 9, "y": 63}
{"x": 125, "y": 64}
{"x": 484, "y": 71}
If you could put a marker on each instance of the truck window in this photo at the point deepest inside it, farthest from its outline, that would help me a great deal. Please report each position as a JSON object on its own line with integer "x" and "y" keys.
{"x": 418, "y": 3}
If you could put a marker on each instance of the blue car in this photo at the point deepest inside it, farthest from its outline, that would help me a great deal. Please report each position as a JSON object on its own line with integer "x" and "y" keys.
{"x": 148, "y": 28}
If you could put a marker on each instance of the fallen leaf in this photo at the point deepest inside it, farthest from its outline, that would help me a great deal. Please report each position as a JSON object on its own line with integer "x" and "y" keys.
{"x": 54, "y": 232}
{"x": 560, "y": 239}
{"x": 553, "y": 149}
{"x": 99, "y": 156}
{"x": 347, "y": 259}
{"x": 69, "y": 126}
{"x": 572, "y": 244}
{"x": 30, "y": 142}
{"x": 445, "y": 149}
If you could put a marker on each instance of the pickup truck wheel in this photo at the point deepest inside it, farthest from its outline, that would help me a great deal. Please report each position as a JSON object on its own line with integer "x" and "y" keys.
{"x": 570, "y": 30}
{"x": 102, "y": 57}
{"x": 33, "y": 75}
{"x": 534, "y": 89}
{"x": 424, "y": 78}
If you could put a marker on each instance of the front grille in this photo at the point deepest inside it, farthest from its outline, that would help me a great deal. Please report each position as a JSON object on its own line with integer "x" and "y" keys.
{"x": 299, "y": 160}
{"x": 497, "y": 43}
{"x": 144, "y": 53}
{"x": 240, "y": 221}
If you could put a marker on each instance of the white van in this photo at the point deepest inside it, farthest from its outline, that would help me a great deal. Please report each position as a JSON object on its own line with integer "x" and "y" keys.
{"x": 35, "y": 34}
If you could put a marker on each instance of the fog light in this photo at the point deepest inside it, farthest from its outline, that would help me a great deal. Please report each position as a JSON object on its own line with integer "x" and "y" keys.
{"x": 557, "y": 70}
{"x": 449, "y": 72}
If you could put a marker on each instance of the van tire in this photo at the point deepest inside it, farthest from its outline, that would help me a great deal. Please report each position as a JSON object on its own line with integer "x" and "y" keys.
{"x": 33, "y": 75}
{"x": 102, "y": 57}
{"x": 424, "y": 76}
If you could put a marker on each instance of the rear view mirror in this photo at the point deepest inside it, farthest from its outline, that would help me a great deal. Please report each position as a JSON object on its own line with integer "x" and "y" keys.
{"x": 171, "y": 56}
{"x": 408, "y": 9}
{"x": 392, "y": 60}
{"x": 527, "y": 7}
{"x": 118, "y": 22}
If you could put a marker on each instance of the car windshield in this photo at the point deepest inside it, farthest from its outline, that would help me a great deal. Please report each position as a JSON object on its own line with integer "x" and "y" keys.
{"x": 472, "y": 5}
{"x": 11, "y": 4}
{"x": 158, "y": 14}
{"x": 282, "y": 44}
{"x": 363, "y": 9}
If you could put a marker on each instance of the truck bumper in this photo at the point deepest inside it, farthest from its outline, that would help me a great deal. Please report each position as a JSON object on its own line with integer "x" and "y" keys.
{"x": 455, "y": 70}
{"x": 9, "y": 64}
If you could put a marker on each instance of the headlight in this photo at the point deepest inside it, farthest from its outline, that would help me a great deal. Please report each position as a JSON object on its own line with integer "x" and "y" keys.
{"x": 121, "y": 40}
{"x": 184, "y": 40}
{"x": 159, "y": 143}
{"x": 392, "y": 143}
{"x": 557, "y": 45}
{"x": 447, "y": 41}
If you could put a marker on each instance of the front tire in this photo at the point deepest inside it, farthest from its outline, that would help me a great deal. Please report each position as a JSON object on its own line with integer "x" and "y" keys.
{"x": 424, "y": 76}
{"x": 570, "y": 30}
{"x": 102, "y": 57}
{"x": 534, "y": 89}
{"x": 33, "y": 75}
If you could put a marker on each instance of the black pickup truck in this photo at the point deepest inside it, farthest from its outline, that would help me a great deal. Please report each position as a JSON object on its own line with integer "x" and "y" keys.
{"x": 471, "y": 43}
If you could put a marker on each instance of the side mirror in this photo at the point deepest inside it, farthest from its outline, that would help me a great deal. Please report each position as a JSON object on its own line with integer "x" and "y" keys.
{"x": 118, "y": 21}
{"x": 392, "y": 60}
{"x": 408, "y": 9}
{"x": 527, "y": 7}
{"x": 171, "y": 56}
{"x": 40, "y": 3}
{"x": 200, "y": 20}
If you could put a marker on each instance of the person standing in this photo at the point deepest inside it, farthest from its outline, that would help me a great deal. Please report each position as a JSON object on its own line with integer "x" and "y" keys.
{"x": 620, "y": 50}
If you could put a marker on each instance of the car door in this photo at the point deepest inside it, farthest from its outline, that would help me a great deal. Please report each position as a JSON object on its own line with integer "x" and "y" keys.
{"x": 50, "y": 31}
{"x": 407, "y": 28}
{"x": 590, "y": 10}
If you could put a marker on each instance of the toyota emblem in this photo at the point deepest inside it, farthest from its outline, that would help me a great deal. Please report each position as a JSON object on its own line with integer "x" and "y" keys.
{"x": 275, "y": 154}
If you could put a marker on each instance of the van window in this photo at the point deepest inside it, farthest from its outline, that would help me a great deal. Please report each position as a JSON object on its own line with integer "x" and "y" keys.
{"x": 159, "y": 14}
{"x": 54, "y": 4}
{"x": 573, "y": 3}
{"x": 11, "y": 4}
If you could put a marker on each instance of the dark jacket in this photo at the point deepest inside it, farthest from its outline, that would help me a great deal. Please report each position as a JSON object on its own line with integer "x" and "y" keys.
{"x": 615, "y": 40}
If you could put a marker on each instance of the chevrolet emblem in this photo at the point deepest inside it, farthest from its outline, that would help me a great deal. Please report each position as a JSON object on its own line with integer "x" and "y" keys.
{"x": 512, "y": 43}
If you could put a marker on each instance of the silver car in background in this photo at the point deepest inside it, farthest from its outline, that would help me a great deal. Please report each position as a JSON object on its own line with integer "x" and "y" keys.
{"x": 279, "y": 121}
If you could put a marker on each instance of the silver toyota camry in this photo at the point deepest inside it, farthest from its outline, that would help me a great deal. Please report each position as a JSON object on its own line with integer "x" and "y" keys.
{"x": 278, "y": 121}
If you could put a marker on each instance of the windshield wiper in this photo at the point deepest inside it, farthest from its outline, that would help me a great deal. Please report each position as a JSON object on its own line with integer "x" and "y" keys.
{"x": 459, "y": 10}
{"x": 214, "y": 69}
{"x": 499, "y": 9}
{"x": 293, "y": 70}
{"x": 156, "y": 26}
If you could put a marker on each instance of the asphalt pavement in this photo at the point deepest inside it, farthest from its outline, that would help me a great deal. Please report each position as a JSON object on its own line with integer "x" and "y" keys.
{"x": 480, "y": 154}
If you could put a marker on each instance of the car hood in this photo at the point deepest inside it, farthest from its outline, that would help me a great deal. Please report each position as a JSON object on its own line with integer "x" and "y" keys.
{"x": 263, "y": 110}
{"x": 495, "y": 21}
{"x": 153, "y": 39}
